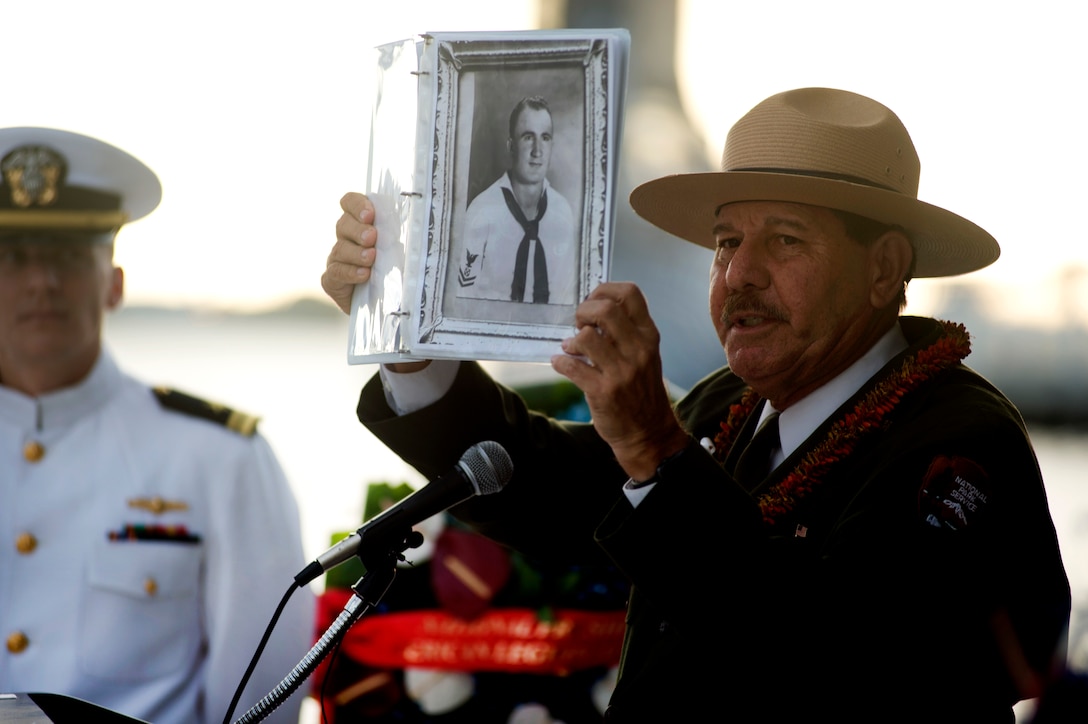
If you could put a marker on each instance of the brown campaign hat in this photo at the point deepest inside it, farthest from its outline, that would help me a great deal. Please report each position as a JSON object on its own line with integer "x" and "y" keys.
{"x": 823, "y": 147}
{"x": 59, "y": 180}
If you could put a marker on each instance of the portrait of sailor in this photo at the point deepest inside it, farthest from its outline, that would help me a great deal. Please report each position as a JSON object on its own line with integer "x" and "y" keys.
{"x": 520, "y": 236}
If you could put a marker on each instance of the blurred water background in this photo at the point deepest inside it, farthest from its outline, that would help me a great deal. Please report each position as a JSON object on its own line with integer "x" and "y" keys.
{"x": 289, "y": 365}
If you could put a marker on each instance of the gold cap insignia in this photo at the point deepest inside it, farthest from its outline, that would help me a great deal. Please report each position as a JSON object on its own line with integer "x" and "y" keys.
{"x": 34, "y": 175}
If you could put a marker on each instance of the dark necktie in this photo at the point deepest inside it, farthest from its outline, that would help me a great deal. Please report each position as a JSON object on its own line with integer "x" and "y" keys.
{"x": 521, "y": 262}
{"x": 754, "y": 462}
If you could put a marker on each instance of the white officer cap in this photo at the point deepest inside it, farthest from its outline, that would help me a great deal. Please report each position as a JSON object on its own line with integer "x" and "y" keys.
{"x": 59, "y": 180}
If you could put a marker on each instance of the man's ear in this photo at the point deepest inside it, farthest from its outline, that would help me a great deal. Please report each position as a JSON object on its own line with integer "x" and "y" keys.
{"x": 890, "y": 257}
{"x": 116, "y": 291}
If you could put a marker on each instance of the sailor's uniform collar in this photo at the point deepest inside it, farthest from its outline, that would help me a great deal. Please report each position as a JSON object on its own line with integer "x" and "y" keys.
{"x": 66, "y": 406}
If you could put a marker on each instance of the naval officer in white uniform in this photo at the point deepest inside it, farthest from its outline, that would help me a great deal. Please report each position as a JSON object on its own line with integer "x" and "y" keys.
{"x": 146, "y": 536}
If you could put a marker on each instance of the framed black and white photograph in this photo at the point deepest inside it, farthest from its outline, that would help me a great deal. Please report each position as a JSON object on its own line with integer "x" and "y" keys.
{"x": 511, "y": 195}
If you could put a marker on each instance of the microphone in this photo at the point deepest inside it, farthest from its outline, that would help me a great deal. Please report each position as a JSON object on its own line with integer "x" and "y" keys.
{"x": 485, "y": 468}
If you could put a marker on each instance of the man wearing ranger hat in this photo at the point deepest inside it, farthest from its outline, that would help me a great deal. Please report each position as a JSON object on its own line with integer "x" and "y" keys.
{"x": 845, "y": 522}
{"x": 147, "y": 535}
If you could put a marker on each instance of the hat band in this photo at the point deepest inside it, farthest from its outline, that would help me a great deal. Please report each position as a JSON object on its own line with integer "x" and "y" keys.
{"x": 819, "y": 174}
{"x": 31, "y": 219}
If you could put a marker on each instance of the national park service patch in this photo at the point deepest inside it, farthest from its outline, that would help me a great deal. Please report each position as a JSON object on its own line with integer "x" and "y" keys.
{"x": 954, "y": 493}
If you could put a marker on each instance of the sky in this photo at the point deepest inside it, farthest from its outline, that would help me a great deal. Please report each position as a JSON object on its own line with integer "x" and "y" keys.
{"x": 255, "y": 116}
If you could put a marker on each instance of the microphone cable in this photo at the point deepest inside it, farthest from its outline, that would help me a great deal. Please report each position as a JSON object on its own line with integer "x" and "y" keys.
{"x": 260, "y": 649}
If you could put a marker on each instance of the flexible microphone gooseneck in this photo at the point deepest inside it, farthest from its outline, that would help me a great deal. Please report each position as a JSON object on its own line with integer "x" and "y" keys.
{"x": 485, "y": 468}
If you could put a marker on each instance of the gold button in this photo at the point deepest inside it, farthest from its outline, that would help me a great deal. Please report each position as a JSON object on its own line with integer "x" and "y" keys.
{"x": 34, "y": 451}
{"x": 25, "y": 543}
{"x": 151, "y": 586}
{"x": 17, "y": 642}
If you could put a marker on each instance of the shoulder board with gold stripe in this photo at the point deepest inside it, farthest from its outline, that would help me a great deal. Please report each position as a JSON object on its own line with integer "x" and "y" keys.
{"x": 234, "y": 420}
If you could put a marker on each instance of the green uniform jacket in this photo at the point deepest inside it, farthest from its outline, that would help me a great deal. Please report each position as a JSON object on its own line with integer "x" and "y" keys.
{"x": 918, "y": 580}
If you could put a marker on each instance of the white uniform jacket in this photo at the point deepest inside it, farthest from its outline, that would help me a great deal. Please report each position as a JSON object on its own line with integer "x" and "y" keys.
{"x": 491, "y": 239}
{"x": 143, "y": 551}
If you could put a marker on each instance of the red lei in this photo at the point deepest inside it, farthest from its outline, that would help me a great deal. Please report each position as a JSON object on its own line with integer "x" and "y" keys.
{"x": 844, "y": 435}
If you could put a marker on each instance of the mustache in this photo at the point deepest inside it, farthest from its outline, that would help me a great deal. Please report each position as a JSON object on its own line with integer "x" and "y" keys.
{"x": 751, "y": 306}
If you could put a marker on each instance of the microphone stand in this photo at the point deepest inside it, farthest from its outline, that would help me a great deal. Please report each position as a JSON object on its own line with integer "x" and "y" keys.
{"x": 381, "y": 569}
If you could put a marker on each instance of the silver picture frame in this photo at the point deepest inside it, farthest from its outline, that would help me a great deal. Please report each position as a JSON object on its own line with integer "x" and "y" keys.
{"x": 468, "y": 83}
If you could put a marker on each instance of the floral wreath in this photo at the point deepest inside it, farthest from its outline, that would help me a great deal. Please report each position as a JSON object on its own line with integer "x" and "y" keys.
{"x": 868, "y": 415}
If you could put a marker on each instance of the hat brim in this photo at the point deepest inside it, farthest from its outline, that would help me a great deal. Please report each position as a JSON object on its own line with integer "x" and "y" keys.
{"x": 686, "y": 205}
